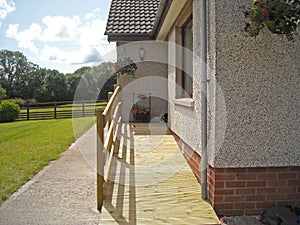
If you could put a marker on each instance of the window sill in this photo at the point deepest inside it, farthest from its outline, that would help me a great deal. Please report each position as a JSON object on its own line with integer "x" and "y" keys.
{"x": 187, "y": 102}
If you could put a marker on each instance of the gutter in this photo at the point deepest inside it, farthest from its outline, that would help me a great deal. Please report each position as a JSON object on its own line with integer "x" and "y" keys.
{"x": 165, "y": 8}
{"x": 203, "y": 45}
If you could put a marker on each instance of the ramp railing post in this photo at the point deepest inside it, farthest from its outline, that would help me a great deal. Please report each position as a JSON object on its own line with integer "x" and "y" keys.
{"x": 100, "y": 159}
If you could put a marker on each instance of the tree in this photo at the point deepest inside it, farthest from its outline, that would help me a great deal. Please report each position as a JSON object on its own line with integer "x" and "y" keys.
{"x": 105, "y": 78}
{"x": 83, "y": 84}
{"x": 2, "y": 93}
{"x": 27, "y": 85}
{"x": 73, "y": 82}
{"x": 19, "y": 77}
{"x": 56, "y": 85}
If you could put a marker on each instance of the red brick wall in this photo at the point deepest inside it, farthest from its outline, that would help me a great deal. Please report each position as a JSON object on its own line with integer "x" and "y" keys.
{"x": 239, "y": 191}
{"x": 247, "y": 191}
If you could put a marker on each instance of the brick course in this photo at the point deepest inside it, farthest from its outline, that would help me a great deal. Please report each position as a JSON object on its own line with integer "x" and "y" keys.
{"x": 246, "y": 191}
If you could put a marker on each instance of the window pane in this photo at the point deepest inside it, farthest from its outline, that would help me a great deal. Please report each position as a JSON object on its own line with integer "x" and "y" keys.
{"x": 187, "y": 38}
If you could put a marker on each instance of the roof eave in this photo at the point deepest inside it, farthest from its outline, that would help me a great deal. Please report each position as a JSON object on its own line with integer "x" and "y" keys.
{"x": 129, "y": 37}
{"x": 165, "y": 8}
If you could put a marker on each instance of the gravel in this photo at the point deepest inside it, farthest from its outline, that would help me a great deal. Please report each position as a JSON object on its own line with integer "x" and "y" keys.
{"x": 242, "y": 220}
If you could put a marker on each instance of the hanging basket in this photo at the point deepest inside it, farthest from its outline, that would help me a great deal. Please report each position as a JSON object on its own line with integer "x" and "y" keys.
{"x": 125, "y": 67}
{"x": 279, "y": 16}
{"x": 273, "y": 28}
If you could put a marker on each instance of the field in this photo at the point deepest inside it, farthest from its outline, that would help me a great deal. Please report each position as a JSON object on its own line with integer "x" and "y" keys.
{"x": 27, "y": 146}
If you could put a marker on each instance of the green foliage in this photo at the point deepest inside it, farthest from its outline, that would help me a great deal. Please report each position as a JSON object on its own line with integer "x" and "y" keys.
{"x": 279, "y": 16}
{"x": 125, "y": 67}
{"x": 105, "y": 79}
{"x": 56, "y": 84}
{"x": 73, "y": 82}
{"x": 18, "y": 76}
{"x": 2, "y": 93}
{"x": 9, "y": 112}
{"x": 21, "y": 102}
{"x": 23, "y": 79}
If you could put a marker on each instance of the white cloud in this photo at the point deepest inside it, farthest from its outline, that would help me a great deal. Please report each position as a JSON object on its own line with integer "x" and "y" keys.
{"x": 49, "y": 53}
{"x": 25, "y": 38}
{"x": 12, "y": 30}
{"x": 94, "y": 14}
{"x": 65, "y": 40}
{"x": 86, "y": 55}
{"x": 6, "y": 7}
{"x": 60, "y": 28}
{"x": 92, "y": 33}
{"x": 82, "y": 56}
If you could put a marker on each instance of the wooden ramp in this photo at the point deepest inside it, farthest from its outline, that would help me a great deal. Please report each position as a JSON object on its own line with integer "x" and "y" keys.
{"x": 151, "y": 183}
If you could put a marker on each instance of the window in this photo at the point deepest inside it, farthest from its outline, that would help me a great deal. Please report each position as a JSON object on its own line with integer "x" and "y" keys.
{"x": 184, "y": 76}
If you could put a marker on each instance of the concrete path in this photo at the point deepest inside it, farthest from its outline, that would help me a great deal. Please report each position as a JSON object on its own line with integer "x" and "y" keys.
{"x": 63, "y": 193}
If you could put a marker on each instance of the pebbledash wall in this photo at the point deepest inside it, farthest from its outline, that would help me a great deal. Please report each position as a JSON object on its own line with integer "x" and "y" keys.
{"x": 254, "y": 87}
{"x": 150, "y": 78}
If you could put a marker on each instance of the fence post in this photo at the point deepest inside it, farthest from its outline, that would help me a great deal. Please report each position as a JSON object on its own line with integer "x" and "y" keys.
{"x": 27, "y": 107}
{"x": 100, "y": 159}
{"x": 109, "y": 95}
{"x": 83, "y": 113}
{"x": 55, "y": 110}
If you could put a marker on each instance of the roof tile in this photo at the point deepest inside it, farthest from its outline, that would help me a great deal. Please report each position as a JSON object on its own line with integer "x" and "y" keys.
{"x": 132, "y": 17}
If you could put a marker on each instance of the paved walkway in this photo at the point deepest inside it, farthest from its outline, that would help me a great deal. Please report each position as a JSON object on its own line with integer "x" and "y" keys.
{"x": 63, "y": 193}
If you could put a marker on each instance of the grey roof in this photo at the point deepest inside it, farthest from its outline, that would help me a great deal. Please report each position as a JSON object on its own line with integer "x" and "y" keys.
{"x": 134, "y": 18}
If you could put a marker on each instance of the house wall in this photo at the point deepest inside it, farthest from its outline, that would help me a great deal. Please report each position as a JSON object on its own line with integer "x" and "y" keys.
{"x": 150, "y": 78}
{"x": 183, "y": 120}
{"x": 252, "y": 93}
{"x": 253, "y": 89}
{"x": 259, "y": 78}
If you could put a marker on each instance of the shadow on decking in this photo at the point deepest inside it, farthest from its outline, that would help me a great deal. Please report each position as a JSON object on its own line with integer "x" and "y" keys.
{"x": 151, "y": 182}
{"x": 118, "y": 181}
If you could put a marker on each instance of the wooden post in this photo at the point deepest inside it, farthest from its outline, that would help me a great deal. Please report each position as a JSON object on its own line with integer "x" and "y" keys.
{"x": 109, "y": 95}
{"x": 100, "y": 159}
{"x": 83, "y": 114}
{"x": 55, "y": 110}
{"x": 27, "y": 106}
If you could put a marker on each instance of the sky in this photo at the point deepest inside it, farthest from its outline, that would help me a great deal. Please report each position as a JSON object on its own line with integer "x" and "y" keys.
{"x": 57, "y": 34}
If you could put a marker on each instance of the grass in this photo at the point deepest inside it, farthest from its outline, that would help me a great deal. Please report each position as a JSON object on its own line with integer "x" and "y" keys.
{"x": 27, "y": 146}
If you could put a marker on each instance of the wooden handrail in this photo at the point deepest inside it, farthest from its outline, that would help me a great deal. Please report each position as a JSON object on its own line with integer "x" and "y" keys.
{"x": 108, "y": 145}
{"x": 110, "y": 105}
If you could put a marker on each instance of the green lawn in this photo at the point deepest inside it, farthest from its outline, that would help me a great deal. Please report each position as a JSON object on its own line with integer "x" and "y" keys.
{"x": 27, "y": 146}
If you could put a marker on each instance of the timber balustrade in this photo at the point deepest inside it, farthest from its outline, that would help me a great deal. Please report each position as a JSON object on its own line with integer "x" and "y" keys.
{"x": 109, "y": 120}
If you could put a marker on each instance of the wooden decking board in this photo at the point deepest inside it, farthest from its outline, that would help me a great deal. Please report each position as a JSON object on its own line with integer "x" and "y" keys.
{"x": 152, "y": 183}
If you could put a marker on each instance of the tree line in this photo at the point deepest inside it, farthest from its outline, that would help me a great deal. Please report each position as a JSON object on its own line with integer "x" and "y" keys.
{"x": 20, "y": 78}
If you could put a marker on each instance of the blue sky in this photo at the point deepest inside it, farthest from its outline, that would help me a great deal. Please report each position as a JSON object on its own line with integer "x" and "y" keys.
{"x": 57, "y": 34}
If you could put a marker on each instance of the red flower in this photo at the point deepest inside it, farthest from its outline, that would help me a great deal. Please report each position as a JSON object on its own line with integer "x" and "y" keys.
{"x": 135, "y": 111}
{"x": 260, "y": 4}
{"x": 264, "y": 11}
